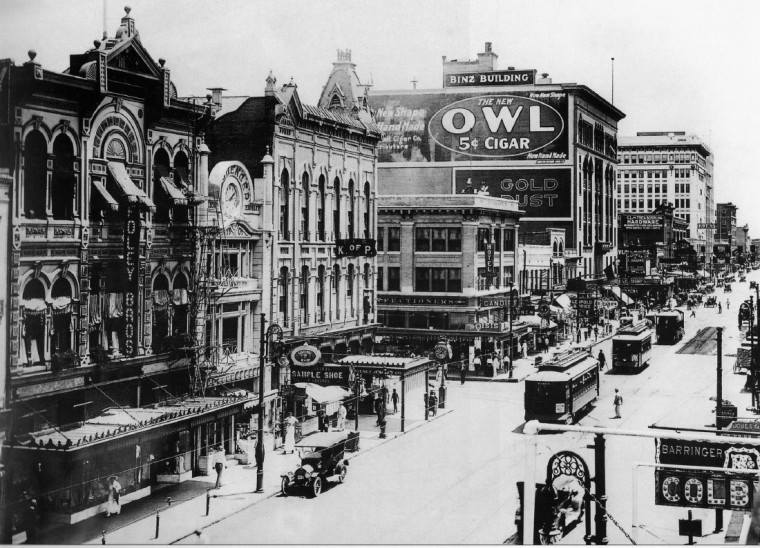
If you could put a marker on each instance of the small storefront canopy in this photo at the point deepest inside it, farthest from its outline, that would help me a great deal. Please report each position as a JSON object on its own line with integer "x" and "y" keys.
{"x": 537, "y": 321}
{"x": 329, "y": 395}
{"x": 105, "y": 196}
{"x": 563, "y": 301}
{"x": 127, "y": 187}
{"x": 175, "y": 194}
{"x": 622, "y": 296}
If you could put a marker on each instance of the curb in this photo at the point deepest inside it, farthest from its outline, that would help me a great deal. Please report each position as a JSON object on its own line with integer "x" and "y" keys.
{"x": 275, "y": 493}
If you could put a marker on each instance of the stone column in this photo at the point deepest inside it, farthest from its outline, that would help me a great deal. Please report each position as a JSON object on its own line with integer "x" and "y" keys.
{"x": 407, "y": 256}
{"x": 469, "y": 256}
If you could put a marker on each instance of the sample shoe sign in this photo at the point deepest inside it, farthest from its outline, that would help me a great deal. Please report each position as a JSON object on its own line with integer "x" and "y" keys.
{"x": 444, "y": 127}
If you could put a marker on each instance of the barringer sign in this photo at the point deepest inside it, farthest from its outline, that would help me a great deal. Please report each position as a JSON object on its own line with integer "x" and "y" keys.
{"x": 443, "y": 127}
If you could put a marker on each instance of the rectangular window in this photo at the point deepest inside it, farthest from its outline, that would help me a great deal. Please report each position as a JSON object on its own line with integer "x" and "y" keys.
{"x": 439, "y": 239}
{"x": 394, "y": 238}
{"x": 649, "y": 203}
{"x": 422, "y": 279}
{"x": 509, "y": 239}
{"x": 656, "y": 157}
{"x": 380, "y": 271}
{"x": 454, "y": 280}
{"x": 484, "y": 236}
{"x": 496, "y": 239}
{"x": 394, "y": 278}
{"x": 422, "y": 239}
{"x": 455, "y": 239}
{"x": 381, "y": 238}
{"x": 649, "y": 188}
{"x": 649, "y": 157}
{"x": 438, "y": 279}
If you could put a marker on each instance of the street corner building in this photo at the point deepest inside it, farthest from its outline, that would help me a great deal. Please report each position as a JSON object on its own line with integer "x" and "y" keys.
{"x": 129, "y": 284}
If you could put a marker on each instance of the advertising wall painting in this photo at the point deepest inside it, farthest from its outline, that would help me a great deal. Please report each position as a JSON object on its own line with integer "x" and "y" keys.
{"x": 444, "y": 127}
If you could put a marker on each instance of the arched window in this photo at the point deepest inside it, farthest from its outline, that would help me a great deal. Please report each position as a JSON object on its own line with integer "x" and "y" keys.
{"x": 181, "y": 181}
{"x": 321, "y": 209}
{"x": 336, "y": 290}
{"x": 180, "y": 302}
{"x": 161, "y": 304}
{"x": 336, "y": 209}
{"x": 367, "y": 276}
{"x": 34, "y": 308}
{"x": 350, "y": 281}
{"x": 305, "y": 208}
{"x": 63, "y": 190}
{"x": 555, "y": 248}
{"x": 285, "y": 205}
{"x": 367, "y": 211}
{"x": 351, "y": 212}
{"x": 283, "y": 283}
{"x": 60, "y": 335}
{"x": 35, "y": 176}
{"x": 304, "y": 295}
{"x": 160, "y": 169}
{"x": 321, "y": 293}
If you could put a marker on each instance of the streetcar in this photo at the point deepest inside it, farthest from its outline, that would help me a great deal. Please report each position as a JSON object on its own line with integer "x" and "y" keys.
{"x": 562, "y": 387}
{"x": 669, "y": 326}
{"x": 631, "y": 347}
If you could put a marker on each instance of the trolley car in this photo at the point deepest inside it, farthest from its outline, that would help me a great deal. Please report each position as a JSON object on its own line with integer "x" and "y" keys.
{"x": 562, "y": 387}
{"x": 631, "y": 347}
{"x": 669, "y": 326}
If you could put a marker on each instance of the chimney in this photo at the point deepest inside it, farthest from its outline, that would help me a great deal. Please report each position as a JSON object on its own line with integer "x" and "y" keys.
{"x": 544, "y": 79}
{"x": 488, "y": 47}
{"x": 216, "y": 95}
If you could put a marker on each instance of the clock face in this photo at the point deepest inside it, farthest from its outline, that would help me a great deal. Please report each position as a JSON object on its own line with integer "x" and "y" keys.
{"x": 232, "y": 198}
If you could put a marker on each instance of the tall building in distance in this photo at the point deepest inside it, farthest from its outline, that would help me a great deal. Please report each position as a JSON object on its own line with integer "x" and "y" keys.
{"x": 725, "y": 232}
{"x": 514, "y": 134}
{"x": 669, "y": 167}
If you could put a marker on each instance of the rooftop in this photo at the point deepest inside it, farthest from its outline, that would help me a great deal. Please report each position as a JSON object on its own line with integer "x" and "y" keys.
{"x": 662, "y": 138}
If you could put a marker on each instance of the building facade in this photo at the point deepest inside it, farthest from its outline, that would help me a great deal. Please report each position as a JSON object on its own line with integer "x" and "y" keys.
{"x": 322, "y": 203}
{"x": 446, "y": 267}
{"x": 550, "y": 146}
{"x": 669, "y": 167}
{"x": 105, "y": 353}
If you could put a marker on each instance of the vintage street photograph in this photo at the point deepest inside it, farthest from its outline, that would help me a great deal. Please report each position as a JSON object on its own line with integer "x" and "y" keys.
{"x": 379, "y": 272}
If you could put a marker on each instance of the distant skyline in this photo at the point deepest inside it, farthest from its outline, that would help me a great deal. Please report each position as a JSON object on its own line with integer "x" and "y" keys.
{"x": 677, "y": 62}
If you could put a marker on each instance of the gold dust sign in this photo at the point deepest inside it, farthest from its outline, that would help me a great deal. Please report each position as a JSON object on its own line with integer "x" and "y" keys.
{"x": 496, "y": 126}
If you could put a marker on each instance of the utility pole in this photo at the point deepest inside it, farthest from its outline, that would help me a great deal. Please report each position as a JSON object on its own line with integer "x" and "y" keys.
{"x": 600, "y": 482}
{"x": 718, "y": 410}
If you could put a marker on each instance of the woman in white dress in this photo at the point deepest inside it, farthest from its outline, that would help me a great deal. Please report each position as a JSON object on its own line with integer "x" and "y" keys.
{"x": 114, "y": 495}
{"x": 290, "y": 434}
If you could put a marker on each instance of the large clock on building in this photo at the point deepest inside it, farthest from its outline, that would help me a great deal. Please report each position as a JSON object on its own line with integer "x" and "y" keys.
{"x": 232, "y": 198}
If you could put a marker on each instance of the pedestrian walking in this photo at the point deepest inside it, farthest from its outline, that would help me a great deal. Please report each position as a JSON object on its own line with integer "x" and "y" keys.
{"x": 602, "y": 360}
{"x": 525, "y": 349}
{"x": 596, "y": 332}
{"x": 323, "y": 422}
{"x": 546, "y": 343}
{"x": 618, "y": 403}
{"x": 394, "y": 399}
{"x": 290, "y": 434}
{"x": 220, "y": 463}
{"x": 728, "y": 304}
{"x": 476, "y": 363}
{"x": 720, "y": 308}
{"x": 31, "y": 520}
{"x": 489, "y": 365}
{"x": 426, "y": 401}
{"x": 462, "y": 372}
{"x": 342, "y": 413}
{"x": 578, "y": 335}
{"x": 433, "y": 399}
{"x": 693, "y": 313}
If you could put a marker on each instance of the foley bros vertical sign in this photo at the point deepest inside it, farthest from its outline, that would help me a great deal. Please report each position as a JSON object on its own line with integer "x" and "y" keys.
{"x": 132, "y": 286}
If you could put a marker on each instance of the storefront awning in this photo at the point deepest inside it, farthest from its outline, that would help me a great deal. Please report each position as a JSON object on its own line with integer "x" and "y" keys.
{"x": 109, "y": 200}
{"x": 563, "y": 301}
{"x": 625, "y": 299}
{"x": 537, "y": 321}
{"x": 127, "y": 187}
{"x": 175, "y": 195}
{"x": 324, "y": 394}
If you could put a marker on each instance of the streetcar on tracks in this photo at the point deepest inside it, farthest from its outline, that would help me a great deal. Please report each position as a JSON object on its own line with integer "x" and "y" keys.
{"x": 632, "y": 347}
{"x": 562, "y": 388}
{"x": 669, "y": 326}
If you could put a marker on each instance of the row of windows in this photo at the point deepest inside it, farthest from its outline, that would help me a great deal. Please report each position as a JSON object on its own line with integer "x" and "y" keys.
{"x": 443, "y": 239}
{"x": 393, "y": 282}
{"x": 438, "y": 239}
{"x": 658, "y": 158}
{"x": 447, "y": 280}
{"x": 393, "y": 238}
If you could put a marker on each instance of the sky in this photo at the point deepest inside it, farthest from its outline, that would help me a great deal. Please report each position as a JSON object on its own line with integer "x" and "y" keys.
{"x": 678, "y": 63}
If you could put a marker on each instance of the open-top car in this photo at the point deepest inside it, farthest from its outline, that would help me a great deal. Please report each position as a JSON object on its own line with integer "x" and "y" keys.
{"x": 321, "y": 461}
{"x": 727, "y": 288}
{"x": 711, "y": 301}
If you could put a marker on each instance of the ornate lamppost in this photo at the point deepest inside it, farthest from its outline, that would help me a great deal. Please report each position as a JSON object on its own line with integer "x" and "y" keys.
{"x": 274, "y": 330}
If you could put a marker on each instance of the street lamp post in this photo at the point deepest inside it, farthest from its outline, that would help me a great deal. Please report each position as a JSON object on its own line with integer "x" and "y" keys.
{"x": 266, "y": 335}
{"x": 511, "y": 316}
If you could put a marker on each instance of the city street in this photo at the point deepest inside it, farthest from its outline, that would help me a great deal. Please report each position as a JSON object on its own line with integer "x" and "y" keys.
{"x": 453, "y": 481}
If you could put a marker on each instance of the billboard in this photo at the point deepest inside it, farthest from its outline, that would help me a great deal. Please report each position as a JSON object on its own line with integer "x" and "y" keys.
{"x": 444, "y": 127}
{"x": 539, "y": 191}
{"x": 641, "y": 221}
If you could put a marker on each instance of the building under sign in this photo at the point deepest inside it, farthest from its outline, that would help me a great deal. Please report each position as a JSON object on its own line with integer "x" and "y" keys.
{"x": 551, "y": 147}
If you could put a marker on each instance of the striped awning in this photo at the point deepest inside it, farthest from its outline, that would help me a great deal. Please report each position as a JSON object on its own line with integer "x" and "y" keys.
{"x": 109, "y": 200}
{"x": 127, "y": 187}
{"x": 174, "y": 194}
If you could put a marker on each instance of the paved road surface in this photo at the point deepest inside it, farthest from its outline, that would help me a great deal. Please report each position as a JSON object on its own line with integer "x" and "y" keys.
{"x": 453, "y": 481}
{"x": 704, "y": 342}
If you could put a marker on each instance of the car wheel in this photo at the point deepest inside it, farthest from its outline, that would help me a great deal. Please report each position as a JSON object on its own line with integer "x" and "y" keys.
{"x": 316, "y": 486}
{"x": 342, "y": 474}
{"x": 284, "y": 487}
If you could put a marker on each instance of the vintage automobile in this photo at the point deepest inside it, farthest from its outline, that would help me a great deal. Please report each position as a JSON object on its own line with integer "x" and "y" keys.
{"x": 711, "y": 301}
{"x": 742, "y": 278}
{"x": 322, "y": 460}
{"x": 696, "y": 296}
{"x": 727, "y": 288}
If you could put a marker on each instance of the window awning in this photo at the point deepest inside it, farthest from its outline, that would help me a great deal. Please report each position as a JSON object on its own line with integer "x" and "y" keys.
{"x": 174, "y": 194}
{"x": 127, "y": 187}
{"x": 109, "y": 200}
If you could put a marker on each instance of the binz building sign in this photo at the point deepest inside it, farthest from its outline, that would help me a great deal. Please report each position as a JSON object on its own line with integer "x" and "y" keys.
{"x": 491, "y": 78}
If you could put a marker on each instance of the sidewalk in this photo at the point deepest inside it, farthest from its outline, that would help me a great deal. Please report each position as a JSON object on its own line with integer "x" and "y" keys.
{"x": 187, "y": 512}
